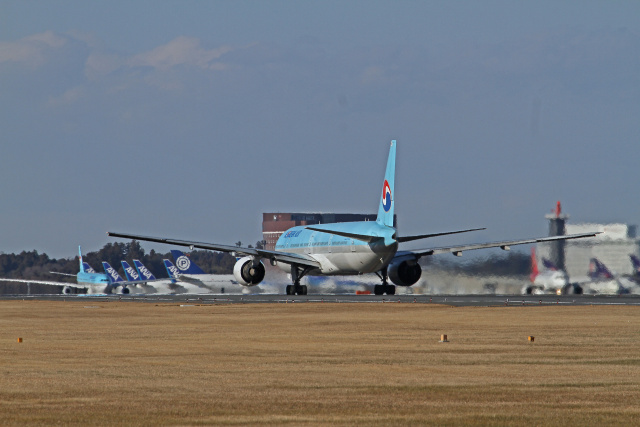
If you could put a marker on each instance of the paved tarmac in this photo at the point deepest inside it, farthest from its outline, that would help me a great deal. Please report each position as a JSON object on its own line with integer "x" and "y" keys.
{"x": 453, "y": 300}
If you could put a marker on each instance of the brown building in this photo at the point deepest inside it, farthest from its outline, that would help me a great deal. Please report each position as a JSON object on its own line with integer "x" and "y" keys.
{"x": 274, "y": 224}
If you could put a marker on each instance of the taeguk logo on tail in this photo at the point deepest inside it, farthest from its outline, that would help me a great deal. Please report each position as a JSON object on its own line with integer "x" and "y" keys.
{"x": 386, "y": 196}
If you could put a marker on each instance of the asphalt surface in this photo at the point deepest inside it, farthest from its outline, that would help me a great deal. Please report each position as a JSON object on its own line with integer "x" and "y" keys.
{"x": 453, "y": 300}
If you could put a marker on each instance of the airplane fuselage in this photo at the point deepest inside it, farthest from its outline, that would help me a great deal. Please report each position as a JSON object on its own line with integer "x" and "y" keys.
{"x": 340, "y": 255}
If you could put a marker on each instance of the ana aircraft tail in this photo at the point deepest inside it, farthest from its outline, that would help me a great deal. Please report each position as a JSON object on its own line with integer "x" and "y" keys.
{"x": 184, "y": 264}
{"x": 112, "y": 274}
{"x": 130, "y": 272}
{"x": 387, "y": 202}
{"x": 144, "y": 272}
{"x": 172, "y": 270}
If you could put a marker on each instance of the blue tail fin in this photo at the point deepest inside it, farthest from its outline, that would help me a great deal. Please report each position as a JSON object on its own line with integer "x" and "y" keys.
{"x": 130, "y": 272}
{"x": 597, "y": 270}
{"x": 636, "y": 265}
{"x": 184, "y": 264}
{"x": 81, "y": 263}
{"x": 112, "y": 274}
{"x": 549, "y": 265}
{"x": 172, "y": 271}
{"x": 387, "y": 201}
{"x": 144, "y": 272}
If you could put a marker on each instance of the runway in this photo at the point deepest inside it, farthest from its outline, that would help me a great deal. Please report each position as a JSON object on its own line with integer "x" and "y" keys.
{"x": 452, "y": 300}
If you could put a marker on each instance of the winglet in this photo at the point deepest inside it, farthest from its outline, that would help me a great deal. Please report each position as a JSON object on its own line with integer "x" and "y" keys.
{"x": 387, "y": 201}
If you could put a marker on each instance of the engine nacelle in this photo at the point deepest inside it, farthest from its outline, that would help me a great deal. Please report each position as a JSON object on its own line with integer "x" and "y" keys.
{"x": 246, "y": 273}
{"x": 405, "y": 273}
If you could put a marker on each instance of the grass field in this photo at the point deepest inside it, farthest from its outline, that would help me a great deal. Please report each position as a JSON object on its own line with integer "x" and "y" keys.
{"x": 124, "y": 363}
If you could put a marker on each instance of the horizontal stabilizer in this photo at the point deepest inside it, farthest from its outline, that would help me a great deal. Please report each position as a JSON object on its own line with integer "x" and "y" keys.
{"x": 363, "y": 237}
{"x": 426, "y": 236}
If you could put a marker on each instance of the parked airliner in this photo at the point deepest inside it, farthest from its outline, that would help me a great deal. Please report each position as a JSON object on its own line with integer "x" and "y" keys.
{"x": 344, "y": 248}
{"x": 87, "y": 280}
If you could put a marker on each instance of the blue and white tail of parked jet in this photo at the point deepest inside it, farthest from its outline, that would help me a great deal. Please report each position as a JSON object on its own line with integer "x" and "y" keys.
{"x": 184, "y": 263}
{"x": 350, "y": 248}
{"x": 185, "y": 270}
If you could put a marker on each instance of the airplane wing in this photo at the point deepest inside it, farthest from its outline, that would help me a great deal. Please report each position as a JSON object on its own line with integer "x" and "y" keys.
{"x": 63, "y": 274}
{"x": 285, "y": 257}
{"x": 457, "y": 250}
{"x": 44, "y": 282}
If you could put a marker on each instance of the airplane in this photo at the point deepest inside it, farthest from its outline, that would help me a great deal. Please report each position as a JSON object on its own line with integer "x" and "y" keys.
{"x": 141, "y": 276}
{"x": 603, "y": 281}
{"x": 188, "y": 271}
{"x": 549, "y": 280}
{"x": 635, "y": 261}
{"x": 87, "y": 279}
{"x": 339, "y": 249}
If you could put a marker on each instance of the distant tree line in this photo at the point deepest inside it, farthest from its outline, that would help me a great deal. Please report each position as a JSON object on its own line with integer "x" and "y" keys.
{"x": 32, "y": 265}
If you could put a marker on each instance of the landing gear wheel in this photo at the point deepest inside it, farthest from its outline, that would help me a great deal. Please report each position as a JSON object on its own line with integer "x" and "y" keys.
{"x": 384, "y": 289}
{"x": 289, "y": 289}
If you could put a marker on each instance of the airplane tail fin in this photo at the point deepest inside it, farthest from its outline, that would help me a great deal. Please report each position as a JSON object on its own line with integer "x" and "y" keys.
{"x": 387, "y": 202}
{"x": 534, "y": 266}
{"x": 130, "y": 272}
{"x": 84, "y": 266}
{"x": 144, "y": 272}
{"x": 549, "y": 265}
{"x": 597, "y": 270}
{"x": 184, "y": 264}
{"x": 636, "y": 265}
{"x": 112, "y": 274}
{"x": 80, "y": 258}
{"x": 172, "y": 271}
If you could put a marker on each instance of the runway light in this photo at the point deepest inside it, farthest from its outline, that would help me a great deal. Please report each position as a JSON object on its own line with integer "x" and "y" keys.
{"x": 531, "y": 338}
{"x": 443, "y": 338}
{"x": 19, "y": 339}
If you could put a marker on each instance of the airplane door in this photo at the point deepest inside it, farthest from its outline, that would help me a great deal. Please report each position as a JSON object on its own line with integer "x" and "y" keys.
{"x": 330, "y": 243}
{"x": 353, "y": 246}
{"x": 309, "y": 248}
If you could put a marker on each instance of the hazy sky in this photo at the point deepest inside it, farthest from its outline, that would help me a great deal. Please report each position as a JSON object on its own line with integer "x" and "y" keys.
{"x": 188, "y": 119}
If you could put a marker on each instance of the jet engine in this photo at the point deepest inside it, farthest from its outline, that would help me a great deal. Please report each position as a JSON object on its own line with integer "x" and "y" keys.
{"x": 404, "y": 273}
{"x": 248, "y": 274}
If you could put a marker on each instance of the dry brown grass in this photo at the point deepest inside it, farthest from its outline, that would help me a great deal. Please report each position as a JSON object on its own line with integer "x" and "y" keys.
{"x": 312, "y": 364}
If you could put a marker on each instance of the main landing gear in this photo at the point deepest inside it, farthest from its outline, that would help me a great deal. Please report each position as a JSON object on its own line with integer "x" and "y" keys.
{"x": 297, "y": 288}
{"x": 385, "y": 288}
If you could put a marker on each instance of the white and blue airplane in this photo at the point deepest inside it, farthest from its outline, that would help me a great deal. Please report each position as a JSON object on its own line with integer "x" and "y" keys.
{"x": 87, "y": 279}
{"x": 349, "y": 248}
